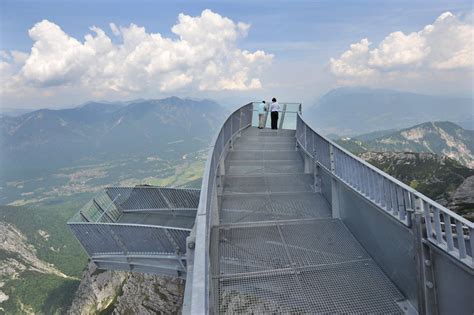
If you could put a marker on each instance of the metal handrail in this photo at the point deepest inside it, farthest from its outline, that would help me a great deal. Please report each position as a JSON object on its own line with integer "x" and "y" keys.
{"x": 431, "y": 210}
{"x": 107, "y": 209}
{"x": 139, "y": 225}
{"x": 396, "y": 181}
{"x": 198, "y": 281}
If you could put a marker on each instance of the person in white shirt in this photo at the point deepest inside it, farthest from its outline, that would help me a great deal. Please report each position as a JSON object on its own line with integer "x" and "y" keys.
{"x": 274, "y": 109}
{"x": 262, "y": 108}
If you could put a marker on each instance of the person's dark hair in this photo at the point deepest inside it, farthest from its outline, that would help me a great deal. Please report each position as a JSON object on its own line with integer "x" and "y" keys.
{"x": 263, "y": 102}
{"x": 274, "y": 99}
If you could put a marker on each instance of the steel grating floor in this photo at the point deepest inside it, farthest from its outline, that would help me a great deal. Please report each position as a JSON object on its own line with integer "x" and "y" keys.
{"x": 277, "y": 249}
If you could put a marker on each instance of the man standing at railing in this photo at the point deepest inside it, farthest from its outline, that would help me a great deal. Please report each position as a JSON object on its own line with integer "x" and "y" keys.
{"x": 274, "y": 108}
{"x": 262, "y": 108}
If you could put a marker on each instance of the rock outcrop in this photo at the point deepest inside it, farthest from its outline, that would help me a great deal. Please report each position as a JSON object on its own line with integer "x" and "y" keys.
{"x": 20, "y": 255}
{"x": 98, "y": 291}
{"x": 150, "y": 294}
{"x": 463, "y": 198}
{"x": 120, "y": 292}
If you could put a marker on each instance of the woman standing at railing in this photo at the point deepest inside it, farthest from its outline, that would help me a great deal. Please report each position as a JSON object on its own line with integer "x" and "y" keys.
{"x": 262, "y": 108}
{"x": 274, "y": 109}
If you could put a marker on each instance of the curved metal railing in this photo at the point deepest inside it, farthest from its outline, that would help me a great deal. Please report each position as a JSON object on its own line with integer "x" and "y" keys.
{"x": 198, "y": 280}
{"x": 445, "y": 229}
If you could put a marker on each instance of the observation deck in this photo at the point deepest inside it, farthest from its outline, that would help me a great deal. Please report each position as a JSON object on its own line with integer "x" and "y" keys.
{"x": 287, "y": 221}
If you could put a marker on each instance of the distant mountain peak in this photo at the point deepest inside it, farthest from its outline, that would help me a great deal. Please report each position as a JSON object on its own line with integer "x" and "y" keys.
{"x": 440, "y": 137}
{"x": 94, "y": 129}
{"x": 357, "y": 110}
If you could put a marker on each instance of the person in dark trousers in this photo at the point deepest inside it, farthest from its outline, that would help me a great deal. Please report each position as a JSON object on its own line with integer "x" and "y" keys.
{"x": 262, "y": 108}
{"x": 274, "y": 109}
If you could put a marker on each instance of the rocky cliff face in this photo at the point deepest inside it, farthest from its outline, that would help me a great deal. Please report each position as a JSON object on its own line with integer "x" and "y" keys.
{"x": 97, "y": 291}
{"x": 17, "y": 257}
{"x": 120, "y": 292}
{"x": 20, "y": 256}
{"x": 462, "y": 200}
{"x": 442, "y": 138}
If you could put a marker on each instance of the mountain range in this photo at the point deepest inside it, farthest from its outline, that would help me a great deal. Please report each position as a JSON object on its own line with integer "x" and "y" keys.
{"x": 442, "y": 138}
{"x": 53, "y": 138}
{"x": 356, "y": 110}
{"x": 39, "y": 251}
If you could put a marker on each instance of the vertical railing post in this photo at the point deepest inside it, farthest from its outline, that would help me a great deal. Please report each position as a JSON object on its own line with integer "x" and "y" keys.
{"x": 305, "y": 130}
{"x": 231, "y": 132}
{"x": 214, "y": 203}
{"x": 471, "y": 243}
{"x": 334, "y": 186}
{"x": 240, "y": 123}
{"x": 308, "y": 160}
{"x": 317, "y": 177}
{"x": 220, "y": 177}
{"x": 331, "y": 159}
{"x": 418, "y": 239}
{"x": 266, "y": 115}
{"x": 427, "y": 302}
{"x": 282, "y": 116}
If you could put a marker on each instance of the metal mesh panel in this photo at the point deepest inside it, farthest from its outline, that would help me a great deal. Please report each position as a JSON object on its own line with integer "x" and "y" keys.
{"x": 265, "y": 184}
{"x": 252, "y": 132}
{"x": 253, "y": 167}
{"x": 95, "y": 238}
{"x": 235, "y": 123}
{"x": 286, "y": 146}
{"x": 271, "y": 294}
{"x": 251, "y": 249}
{"x": 184, "y": 219}
{"x": 321, "y": 242}
{"x": 374, "y": 185}
{"x": 278, "y": 249}
{"x": 257, "y": 139}
{"x": 300, "y": 205}
{"x": 126, "y": 239}
{"x": 258, "y": 271}
{"x": 254, "y": 208}
{"x": 319, "y": 145}
{"x": 99, "y": 209}
{"x": 148, "y": 198}
{"x": 264, "y": 155}
{"x": 353, "y": 288}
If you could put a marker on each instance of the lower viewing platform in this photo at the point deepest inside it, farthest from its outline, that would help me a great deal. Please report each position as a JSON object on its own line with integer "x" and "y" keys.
{"x": 141, "y": 228}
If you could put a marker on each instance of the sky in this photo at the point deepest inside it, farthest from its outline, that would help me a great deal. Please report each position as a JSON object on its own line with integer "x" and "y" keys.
{"x": 63, "y": 53}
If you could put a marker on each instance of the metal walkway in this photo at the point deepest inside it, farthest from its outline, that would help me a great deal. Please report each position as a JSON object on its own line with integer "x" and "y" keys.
{"x": 285, "y": 222}
{"x": 277, "y": 249}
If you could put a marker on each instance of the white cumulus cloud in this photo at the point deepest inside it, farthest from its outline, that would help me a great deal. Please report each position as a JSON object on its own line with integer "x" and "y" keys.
{"x": 447, "y": 45}
{"x": 203, "y": 56}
